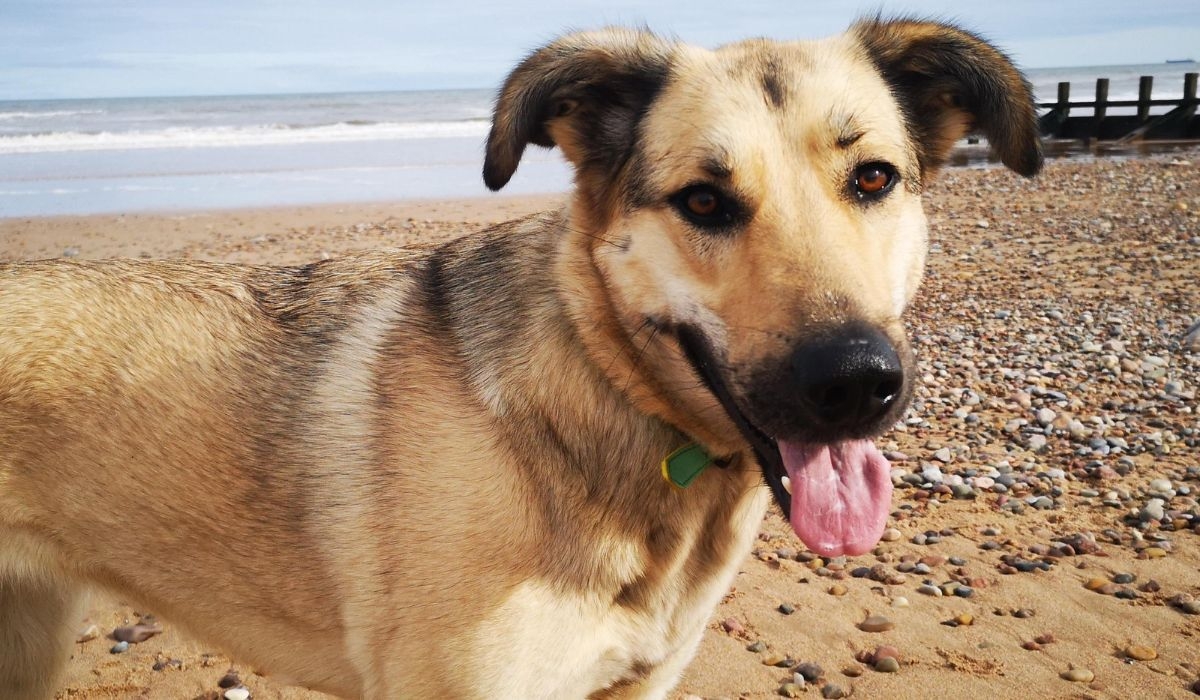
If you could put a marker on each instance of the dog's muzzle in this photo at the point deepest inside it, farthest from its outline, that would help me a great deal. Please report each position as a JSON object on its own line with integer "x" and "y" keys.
{"x": 809, "y": 419}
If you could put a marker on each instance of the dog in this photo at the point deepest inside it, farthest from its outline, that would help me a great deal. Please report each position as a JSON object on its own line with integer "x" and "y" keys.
{"x": 544, "y": 445}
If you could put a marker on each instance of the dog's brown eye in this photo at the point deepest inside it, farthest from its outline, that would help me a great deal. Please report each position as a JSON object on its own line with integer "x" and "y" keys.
{"x": 703, "y": 203}
{"x": 706, "y": 206}
{"x": 874, "y": 179}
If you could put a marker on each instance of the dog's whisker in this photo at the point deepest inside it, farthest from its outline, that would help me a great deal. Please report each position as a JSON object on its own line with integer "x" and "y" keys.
{"x": 628, "y": 345}
{"x": 602, "y": 239}
{"x": 638, "y": 358}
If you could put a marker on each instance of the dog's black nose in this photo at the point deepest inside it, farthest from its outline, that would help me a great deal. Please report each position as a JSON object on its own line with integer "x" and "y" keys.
{"x": 848, "y": 378}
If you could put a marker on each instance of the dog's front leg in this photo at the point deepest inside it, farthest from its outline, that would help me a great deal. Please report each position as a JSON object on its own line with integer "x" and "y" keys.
{"x": 38, "y": 614}
{"x": 656, "y": 681}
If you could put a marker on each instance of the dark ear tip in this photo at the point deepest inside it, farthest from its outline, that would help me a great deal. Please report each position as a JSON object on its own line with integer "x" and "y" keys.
{"x": 494, "y": 179}
{"x": 1035, "y": 167}
{"x": 496, "y": 173}
{"x": 1029, "y": 162}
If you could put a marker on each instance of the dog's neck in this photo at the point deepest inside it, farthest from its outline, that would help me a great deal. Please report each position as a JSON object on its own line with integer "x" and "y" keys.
{"x": 536, "y": 301}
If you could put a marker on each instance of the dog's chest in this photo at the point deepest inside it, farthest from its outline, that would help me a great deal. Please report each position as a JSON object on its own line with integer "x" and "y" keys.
{"x": 558, "y": 645}
{"x": 547, "y": 642}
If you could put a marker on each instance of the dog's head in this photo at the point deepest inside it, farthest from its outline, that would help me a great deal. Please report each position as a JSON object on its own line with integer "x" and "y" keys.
{"x": 753, "y": 217}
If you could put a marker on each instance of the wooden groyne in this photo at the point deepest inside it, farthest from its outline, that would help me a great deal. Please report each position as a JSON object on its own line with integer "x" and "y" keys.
{"x": 1179, "y": 123}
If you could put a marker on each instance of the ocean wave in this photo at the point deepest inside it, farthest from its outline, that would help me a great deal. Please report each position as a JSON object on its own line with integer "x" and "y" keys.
{"x": 214, "y": 137}
{"x": 13, "y": 116}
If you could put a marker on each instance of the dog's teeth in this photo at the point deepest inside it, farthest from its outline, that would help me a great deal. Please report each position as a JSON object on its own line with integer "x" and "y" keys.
{"x": 787, "y": 483}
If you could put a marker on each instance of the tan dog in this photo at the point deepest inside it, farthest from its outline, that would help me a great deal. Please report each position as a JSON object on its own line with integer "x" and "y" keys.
{"x": 469, "y": 439}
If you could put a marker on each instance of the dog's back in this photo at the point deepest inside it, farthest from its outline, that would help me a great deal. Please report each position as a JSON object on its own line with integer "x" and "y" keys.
{"x": 162, "y": 398}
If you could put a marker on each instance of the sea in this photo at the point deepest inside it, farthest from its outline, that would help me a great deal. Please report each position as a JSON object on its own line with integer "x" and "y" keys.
{"x": 154, "y": 154}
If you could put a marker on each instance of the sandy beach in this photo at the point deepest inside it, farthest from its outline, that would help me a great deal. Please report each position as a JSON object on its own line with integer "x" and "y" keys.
{"x": 1045, "y": 539}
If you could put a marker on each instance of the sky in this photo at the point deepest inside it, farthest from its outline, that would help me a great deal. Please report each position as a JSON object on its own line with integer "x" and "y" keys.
{"x": 115, "y": 48}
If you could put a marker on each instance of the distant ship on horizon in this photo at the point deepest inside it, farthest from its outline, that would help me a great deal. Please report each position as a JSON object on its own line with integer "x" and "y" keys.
{"x": 1181, "y": 60}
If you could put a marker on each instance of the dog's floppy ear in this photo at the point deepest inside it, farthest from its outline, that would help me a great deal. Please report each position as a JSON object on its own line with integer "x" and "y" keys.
{"x": 949, "y": 83}
{"x": 584, "y": 93}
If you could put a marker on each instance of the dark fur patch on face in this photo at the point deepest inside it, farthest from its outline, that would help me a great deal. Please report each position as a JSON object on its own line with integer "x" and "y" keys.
{"x": 773, "y": 83}
{"x": 761, "y": 63}
{"x": 949, "y": 81}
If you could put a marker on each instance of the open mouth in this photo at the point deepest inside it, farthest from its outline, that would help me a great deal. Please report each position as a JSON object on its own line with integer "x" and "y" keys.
{"x": 836, "y": 495}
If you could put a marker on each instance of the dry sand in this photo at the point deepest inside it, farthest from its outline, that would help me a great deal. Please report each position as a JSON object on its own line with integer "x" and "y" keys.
{"x": 1068, "y": 295}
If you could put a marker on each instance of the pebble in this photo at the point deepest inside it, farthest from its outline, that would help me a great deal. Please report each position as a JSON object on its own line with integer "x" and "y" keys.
{"x": 809, "y": 671}
{"x": 876, "y": 623}
{"x": 87, "y": 634}
{"x": 1154, "y": 510}
{"x": 832, "y": 691}
{"x": 732, "y": 626}
{"x": 1078, "y": 675}
{"x": 1191, "y": 339}
{"x": 1191, "y": 607}
{"x": 786, "y": 609}
{"x": 136, "y": 634}
{"x": 237, "y": 694}
{"x": 229, "y": 680}
{"x": 837, "y": 589}
{"x": 791, "y": 690}
{"x": 119, "y": 648}
{"x": 757, "y": 647}
{"x": 164, "y": 664}
{"x": 891, "y": 534}
{"x": 887, "y": 664}
{"x": 1139, "y": 652}
{"x": 929, "y": 589}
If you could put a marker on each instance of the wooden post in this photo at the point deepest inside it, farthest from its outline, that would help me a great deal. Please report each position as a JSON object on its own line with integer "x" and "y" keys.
{"x": 1051, "y": 123}
{"x": 1189, "y": 97}
{"x": 1101, "y": 105}
{"x": 1145, "y": 85}
{"x": 1064, "y": 98}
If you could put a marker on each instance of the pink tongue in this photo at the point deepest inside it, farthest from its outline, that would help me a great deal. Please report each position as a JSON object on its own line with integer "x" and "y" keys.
{"x": 841, "y": 495}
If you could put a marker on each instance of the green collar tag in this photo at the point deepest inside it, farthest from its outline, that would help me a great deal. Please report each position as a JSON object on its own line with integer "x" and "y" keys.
{"x": 682, "y": 466}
